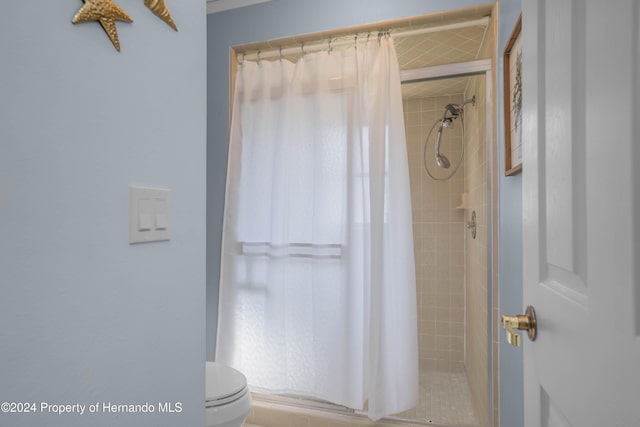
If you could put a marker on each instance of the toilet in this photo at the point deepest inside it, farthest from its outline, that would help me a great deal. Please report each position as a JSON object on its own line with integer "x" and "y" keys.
{"x": 228, "y": 399}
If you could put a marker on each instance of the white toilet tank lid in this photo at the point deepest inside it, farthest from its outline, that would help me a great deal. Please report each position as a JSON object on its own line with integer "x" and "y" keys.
{"x": 223, "y": 381}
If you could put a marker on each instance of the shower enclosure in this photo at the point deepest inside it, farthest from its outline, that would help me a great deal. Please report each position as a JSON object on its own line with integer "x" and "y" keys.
{"x": 443, "y": 78}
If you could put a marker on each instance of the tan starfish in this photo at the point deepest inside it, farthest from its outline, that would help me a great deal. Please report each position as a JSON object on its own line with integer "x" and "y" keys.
{"x": 160, "y": 9}
{"x": 106, "y": 13}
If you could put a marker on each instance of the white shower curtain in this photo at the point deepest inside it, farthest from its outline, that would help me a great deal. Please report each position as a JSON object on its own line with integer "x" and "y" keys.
{"x": 317, "y": 287}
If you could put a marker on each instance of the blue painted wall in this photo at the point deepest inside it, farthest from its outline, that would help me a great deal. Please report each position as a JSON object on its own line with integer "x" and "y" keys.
{"x": 509, "y": 247}
{"x": 285, "y": 18}
{"x": 84, "y": 316}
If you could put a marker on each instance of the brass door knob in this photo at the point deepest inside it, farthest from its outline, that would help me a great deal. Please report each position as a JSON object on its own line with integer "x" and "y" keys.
{"x": 526, "y": 322}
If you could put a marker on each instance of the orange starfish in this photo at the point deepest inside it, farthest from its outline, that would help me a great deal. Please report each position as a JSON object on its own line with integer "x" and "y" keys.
{"x": 106, "y": 13}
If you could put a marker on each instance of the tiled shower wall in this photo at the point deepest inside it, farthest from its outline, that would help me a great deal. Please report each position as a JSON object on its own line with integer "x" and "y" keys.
{"x": 438, "y": 230}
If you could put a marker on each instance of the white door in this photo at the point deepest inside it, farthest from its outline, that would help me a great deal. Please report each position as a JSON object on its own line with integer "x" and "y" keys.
{"x": 581, "y": 198}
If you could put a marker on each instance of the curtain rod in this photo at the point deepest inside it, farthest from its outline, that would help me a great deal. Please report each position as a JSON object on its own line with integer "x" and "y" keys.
{"x": 327, "y": 44}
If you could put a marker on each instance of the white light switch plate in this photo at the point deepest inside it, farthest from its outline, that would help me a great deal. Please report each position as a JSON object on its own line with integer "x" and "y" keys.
{"x": 149, "y": 214}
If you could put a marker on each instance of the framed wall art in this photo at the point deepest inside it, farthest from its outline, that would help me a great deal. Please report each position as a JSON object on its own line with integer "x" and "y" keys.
{"x": 513, "y": 102}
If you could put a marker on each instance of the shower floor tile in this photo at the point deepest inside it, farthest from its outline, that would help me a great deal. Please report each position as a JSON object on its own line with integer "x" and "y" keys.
{"x": 445, "y": 399}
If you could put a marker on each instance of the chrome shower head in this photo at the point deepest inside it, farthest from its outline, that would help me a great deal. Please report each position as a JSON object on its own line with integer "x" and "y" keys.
{"x": 453, "y": 109}
{"x": 442, "y": 161}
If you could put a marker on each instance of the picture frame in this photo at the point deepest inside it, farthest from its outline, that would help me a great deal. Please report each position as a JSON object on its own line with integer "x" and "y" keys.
{"x": 513, "y": 102}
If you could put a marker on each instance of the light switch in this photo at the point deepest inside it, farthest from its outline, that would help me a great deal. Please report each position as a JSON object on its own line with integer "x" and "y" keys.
{"x": 161, "y": 214}
{"x": 149, "y": 214}
{"x": 145, "y": 214}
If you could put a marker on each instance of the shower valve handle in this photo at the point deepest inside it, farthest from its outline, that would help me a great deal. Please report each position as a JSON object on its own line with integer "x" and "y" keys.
{"x": 526, "y": 322}
{"x": 473, "y": 224}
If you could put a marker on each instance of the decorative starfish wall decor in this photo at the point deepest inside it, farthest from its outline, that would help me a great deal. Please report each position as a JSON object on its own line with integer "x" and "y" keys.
{"x": 107, "y": 13}
{"x": 159, "y": 8}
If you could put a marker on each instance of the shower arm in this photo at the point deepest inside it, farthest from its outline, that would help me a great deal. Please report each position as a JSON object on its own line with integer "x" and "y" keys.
{"x": 455, "y": 110}
{"x": 471, "y": 101}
